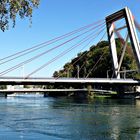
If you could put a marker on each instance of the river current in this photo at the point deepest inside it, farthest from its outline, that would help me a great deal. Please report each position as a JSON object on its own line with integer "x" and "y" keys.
{"x": 38, "y": 118}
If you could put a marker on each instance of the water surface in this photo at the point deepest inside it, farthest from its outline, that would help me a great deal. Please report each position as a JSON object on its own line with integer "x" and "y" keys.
{"x": 34, "y": 118}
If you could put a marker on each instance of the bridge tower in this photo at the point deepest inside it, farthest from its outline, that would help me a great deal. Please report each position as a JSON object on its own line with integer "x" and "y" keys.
{"x": 131, "y": 34}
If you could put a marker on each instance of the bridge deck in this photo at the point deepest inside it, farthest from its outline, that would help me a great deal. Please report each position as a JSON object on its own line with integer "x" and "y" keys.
{"x": 32, "y": 81}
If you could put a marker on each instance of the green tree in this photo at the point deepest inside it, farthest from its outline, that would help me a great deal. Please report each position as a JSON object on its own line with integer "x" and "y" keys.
{"x": 88, "y": 59}
{"x": 10, "y": 9}
{"x": 2, "y": 86}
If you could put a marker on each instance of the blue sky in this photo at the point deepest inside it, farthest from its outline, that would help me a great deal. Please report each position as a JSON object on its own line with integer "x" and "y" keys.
{"x": 54, "y": 18}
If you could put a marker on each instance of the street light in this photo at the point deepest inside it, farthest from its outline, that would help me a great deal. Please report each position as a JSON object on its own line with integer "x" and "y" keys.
{"x": 107, "y": 73}
{"x": 78, "y": 71}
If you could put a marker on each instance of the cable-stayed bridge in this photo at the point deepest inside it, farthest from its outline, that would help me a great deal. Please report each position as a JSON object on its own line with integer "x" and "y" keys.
{"x": 85, "y": 36}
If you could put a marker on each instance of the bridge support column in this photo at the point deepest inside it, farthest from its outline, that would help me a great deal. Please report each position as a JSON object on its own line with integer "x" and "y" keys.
{"x": 90, "y": 93}
{"x": 113, "y": 50}
{"x": 132, "y": 35}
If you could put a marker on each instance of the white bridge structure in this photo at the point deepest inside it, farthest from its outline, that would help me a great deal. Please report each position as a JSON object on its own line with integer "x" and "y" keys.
{"x": 131, "y": 34}
{"x": 45, "y": 81}
{"x": 116, "y": 80}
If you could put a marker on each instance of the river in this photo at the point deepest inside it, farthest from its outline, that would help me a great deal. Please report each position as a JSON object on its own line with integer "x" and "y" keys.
{"x": 38, "y": 118}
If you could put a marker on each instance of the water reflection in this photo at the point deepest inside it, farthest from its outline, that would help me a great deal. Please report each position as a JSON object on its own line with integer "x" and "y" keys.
{"x": 69, "y": 118}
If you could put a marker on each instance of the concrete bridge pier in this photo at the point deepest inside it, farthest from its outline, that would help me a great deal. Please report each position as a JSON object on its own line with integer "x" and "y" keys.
{"x": 90, "y": 92}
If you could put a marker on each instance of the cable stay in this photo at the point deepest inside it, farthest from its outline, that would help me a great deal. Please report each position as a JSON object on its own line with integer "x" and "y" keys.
{"x": 39, "y": 55}
{"x": 35, "y": 49}
{"x": 59, "y": 56}
{"x": 86, "y": 52}
{"x": 89, "y": 42}
{"x": 94, "y": 67}
{"x": 44, "y": 44}
{"x": 97, "y": 61}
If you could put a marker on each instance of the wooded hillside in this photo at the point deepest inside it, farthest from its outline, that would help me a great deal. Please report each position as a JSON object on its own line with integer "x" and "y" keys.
{"x": 97, "y": 62}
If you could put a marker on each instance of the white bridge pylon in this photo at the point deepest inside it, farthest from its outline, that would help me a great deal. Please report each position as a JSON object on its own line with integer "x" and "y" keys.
{"x": 132, "y": 35}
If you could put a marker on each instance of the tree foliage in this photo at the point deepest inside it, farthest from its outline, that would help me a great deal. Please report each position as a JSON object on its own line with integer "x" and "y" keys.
{"x": 3, "y": 87}
{"x": 88, "y": 59}
{"x": 10, "y": 9}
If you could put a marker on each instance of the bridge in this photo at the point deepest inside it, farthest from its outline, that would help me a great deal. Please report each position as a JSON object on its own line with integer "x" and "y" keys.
{"x": 116, "y": 79}
{"x": 84, "y": 81}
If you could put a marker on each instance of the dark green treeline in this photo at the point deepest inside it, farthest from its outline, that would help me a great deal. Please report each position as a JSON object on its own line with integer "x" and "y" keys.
{"x": 97, "y": 63}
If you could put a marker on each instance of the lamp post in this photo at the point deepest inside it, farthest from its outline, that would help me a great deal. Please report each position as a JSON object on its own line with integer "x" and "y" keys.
{"x": 78, "y": 69}
{"x": 107, "y": 73}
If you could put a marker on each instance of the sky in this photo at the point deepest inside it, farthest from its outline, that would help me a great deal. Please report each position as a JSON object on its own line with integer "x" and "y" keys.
{"x": 54, "y": 18}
